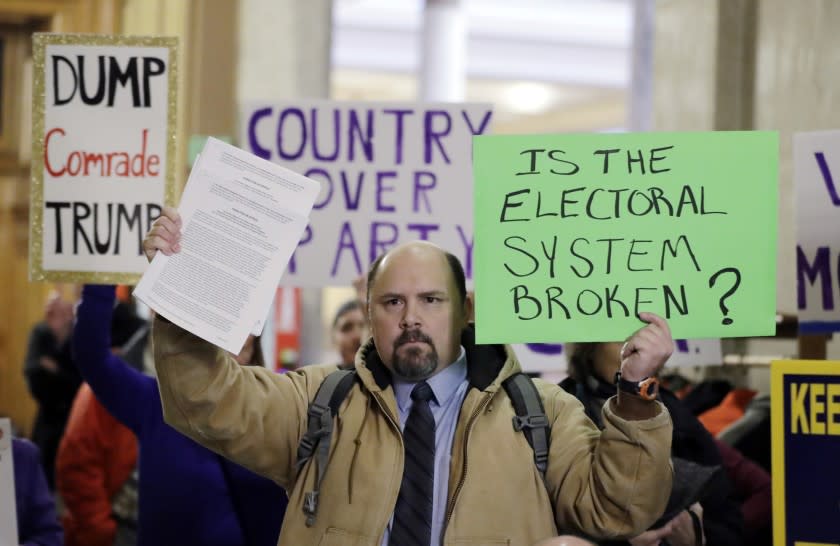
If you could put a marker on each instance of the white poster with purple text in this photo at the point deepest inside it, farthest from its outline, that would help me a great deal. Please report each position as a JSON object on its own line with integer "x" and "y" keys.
{"x": 389, "y": 173}
{"x": 816, "y": 179}
{"x": 695, "y": 352}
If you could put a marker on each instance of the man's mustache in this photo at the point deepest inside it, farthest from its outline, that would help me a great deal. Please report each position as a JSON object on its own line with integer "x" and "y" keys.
{"x": 412, "y": 336}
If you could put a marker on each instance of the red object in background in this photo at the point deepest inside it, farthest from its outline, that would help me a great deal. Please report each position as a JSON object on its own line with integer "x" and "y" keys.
{"x": 728, "y": 411}
{"x": 123, "y": 293}
{"x": 287, "y": 324}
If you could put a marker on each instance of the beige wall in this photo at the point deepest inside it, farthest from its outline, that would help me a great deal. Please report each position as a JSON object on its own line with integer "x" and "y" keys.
{"x": 684, "y": 65}
{"x": 797, "y": 89}
{"x": 166, "y": 18}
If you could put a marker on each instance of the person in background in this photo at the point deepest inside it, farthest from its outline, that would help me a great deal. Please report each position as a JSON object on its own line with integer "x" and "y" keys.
{"x": 360, "y": 286}
{"x": 130, "y": 333}
{"x": 52, "y": 379}
{"x": 592, "y": 369}
{"x": 188, "y": 495}
{"x": 751, "y": 433}
{"x": 753, "y": 488}
{"x": 96, "y": 460}
{"x": 347, "y": 330}
{"x": 730, "y": 409}
{"x": 37, "y": 522}
{"x": 97, "y": 457}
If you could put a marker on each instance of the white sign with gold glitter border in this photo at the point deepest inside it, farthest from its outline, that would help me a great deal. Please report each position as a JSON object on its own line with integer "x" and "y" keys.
{"x": 103, "y": 143}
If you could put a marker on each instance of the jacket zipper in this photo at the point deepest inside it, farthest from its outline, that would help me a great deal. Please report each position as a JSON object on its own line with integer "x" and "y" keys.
{"x": 357, "y": 442}
{"x": 384, "y": 407}
{"x": 470, "y": 424}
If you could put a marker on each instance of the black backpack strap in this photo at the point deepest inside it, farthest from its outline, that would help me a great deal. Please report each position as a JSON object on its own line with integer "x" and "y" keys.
{"x": 530, "y": 416}
{"x": 322, "y": 409}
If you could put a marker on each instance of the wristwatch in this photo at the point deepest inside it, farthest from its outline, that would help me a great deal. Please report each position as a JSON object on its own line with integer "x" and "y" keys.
{"x": 646, "y": 389}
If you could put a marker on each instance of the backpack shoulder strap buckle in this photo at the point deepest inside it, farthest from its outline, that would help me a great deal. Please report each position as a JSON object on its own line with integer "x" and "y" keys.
{"x": 319, "y": 426}
{"x": 529, "y": 421}
{"x": 530, "y": 418}
{"x": 319, "y": 416}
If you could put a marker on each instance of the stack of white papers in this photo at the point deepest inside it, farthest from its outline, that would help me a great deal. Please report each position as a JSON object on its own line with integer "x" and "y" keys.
{"x": 242, "y": 218}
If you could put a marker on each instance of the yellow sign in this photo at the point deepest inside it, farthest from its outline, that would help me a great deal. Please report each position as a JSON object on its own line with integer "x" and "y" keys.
{"x": 805, "y": 420}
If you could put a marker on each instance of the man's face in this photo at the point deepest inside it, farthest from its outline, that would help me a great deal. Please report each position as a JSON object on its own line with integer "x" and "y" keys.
{"x": 416, "y": 315}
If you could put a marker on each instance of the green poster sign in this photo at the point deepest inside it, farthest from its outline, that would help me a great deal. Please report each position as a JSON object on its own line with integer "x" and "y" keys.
{"x": 575, "y": 234}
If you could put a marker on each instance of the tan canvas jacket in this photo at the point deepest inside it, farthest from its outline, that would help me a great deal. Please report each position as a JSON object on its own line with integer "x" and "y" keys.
{"x": 604, "y": 484}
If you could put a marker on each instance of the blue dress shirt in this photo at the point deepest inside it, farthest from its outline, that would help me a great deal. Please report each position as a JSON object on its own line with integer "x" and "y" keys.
{"x": 450, "y": 388}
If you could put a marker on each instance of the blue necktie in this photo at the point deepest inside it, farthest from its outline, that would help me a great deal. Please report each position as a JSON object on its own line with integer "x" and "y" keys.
{"x": 413, "y": 512}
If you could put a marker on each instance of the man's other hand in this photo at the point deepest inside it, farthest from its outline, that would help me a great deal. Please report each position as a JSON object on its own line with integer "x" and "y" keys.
{"x": 646, "y": 351}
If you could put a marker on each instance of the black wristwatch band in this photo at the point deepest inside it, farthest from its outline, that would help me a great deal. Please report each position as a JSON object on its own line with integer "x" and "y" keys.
{"x": 647, "y": 388}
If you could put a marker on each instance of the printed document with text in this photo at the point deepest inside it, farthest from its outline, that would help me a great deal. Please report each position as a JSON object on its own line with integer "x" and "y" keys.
{"x": 242, "y": 219}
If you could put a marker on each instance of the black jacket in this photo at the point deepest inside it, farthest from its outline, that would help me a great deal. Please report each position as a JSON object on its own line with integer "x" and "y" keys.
{"x": 722, "y": 520}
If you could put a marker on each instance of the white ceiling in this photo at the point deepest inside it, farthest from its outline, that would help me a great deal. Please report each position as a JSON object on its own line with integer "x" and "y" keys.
{"x": 544, "y": 64}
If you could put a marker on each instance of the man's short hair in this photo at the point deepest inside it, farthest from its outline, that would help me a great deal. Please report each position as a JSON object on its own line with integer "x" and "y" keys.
{"x": 455, "y": 268}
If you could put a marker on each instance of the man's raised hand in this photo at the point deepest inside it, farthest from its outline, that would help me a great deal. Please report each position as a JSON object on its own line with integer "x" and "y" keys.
{"x": 164, "y": 235}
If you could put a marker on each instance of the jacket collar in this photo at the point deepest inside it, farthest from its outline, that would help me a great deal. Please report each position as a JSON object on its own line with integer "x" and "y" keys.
{"x": 487, "y": 365}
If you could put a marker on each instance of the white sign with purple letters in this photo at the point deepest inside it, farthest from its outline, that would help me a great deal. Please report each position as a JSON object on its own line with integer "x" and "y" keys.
{"x": 816, "y": 179}
{"x": 389, "y": 173}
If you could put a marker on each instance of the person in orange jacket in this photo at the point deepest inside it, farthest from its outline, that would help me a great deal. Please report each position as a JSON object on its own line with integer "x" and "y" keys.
{"x": 95, "y": 460}
{"x": 98, "y": 455}
{"x": 731, "y": 409}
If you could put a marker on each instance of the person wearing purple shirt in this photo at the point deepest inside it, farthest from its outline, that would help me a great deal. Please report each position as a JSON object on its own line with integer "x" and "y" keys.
{"x": 36, "y": 518}
{"x": 188, "y": 495}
